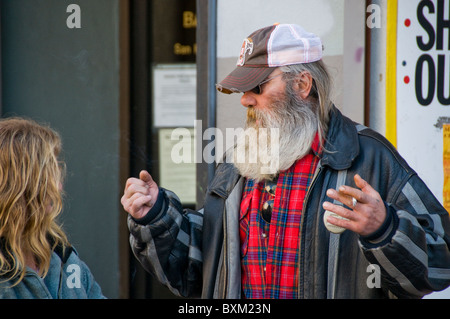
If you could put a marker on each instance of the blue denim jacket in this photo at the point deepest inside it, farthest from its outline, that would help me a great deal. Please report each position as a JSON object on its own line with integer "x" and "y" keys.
{"x": 66, "y": 279}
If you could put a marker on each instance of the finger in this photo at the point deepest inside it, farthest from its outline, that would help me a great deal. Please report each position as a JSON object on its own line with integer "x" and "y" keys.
{"x": 339, "y": 210}
{"x": 139, "y": 200}
{"x": 135, "y": 203}
{"x": 366, "y": 194}
{"x": 146, "y": 177}
{"x": 137, "y": 188}
{"x": 365, "y": 187}
{"x": 348, "y": 193}
{"x": 134, "y": 182}
{"x": 344, "y": 195}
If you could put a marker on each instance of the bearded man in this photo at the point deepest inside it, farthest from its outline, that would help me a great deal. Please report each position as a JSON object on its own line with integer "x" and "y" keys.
{"x": 327, "y": 209}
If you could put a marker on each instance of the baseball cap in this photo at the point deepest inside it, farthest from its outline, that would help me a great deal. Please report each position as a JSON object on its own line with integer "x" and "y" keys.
{"x": 267, "y": 48}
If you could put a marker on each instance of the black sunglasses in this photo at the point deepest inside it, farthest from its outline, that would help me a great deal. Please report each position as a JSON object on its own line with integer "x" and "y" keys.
{"x": 258, "y": 89}
{"x": 266, "y": 211}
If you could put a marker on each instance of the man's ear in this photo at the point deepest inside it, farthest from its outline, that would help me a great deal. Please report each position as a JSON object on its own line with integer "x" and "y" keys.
{"x": 303, "y": 84}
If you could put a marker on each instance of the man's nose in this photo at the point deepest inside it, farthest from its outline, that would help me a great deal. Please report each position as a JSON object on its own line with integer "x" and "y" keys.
{"x": 248, "y": 99}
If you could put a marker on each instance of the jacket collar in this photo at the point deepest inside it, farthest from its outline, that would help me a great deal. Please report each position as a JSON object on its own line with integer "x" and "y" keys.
{"x": 342, "y": 143}
{"x": 225, "y": 178}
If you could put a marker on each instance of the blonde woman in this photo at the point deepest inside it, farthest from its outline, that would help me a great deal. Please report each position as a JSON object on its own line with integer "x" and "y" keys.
{"x": 36, "y": 259}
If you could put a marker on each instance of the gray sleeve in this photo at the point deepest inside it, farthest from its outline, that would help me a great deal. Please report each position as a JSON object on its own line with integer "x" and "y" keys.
{"x": 169, "y": 245}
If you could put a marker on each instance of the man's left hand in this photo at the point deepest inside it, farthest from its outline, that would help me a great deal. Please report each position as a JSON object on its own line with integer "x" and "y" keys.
{"x": 366, "y": 216}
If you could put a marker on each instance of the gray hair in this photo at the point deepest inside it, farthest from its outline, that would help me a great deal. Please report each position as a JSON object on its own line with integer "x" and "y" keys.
{"x": 321, "y": 89}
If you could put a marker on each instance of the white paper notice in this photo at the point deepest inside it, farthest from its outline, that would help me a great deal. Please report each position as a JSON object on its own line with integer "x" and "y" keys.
{"x": 177, "y": 171}
{"x": 174, "y": 95}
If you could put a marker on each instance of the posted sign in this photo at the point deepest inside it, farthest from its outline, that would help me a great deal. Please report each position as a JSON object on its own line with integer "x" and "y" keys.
{"x": 422, "y": 98}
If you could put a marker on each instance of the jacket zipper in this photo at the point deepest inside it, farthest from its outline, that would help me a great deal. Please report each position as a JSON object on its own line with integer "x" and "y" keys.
{"x": 300, "y": 257}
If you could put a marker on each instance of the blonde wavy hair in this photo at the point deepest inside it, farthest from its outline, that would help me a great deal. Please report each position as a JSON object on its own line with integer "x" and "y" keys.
{"x": 31, "y": 180}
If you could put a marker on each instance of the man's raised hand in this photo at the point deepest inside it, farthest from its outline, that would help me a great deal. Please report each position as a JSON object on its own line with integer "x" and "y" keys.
{"x": 140, "y": 195}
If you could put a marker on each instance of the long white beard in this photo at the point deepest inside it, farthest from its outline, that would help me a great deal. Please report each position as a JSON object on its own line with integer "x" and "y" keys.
{"x": 273, "y": 140}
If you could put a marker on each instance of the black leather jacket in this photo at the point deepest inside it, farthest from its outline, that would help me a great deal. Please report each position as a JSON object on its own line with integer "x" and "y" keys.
{"x": 197, "y": 253}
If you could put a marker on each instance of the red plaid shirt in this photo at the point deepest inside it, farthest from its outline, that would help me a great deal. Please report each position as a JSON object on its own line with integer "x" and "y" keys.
{"x": 270, "y": 251}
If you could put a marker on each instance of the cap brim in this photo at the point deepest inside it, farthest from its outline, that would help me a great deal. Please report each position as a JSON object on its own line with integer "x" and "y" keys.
{"x": 243, "y": 79}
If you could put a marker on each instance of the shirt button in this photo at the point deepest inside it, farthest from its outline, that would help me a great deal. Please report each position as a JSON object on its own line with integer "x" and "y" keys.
{"x": 264, "y": 235}
{"x": 264, "y": 268}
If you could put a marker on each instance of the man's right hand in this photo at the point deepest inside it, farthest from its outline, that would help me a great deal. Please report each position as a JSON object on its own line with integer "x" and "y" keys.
{"x": 140, "y": 195}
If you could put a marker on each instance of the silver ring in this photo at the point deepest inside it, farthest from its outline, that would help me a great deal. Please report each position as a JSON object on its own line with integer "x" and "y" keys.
{"x": 354, "y": 202}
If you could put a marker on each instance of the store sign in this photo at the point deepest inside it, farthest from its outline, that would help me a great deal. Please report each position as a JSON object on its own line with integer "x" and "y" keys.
{"x": 174, "y": 37}
{"x": 423, "y": 87}
{"x": 434, "y": 62}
